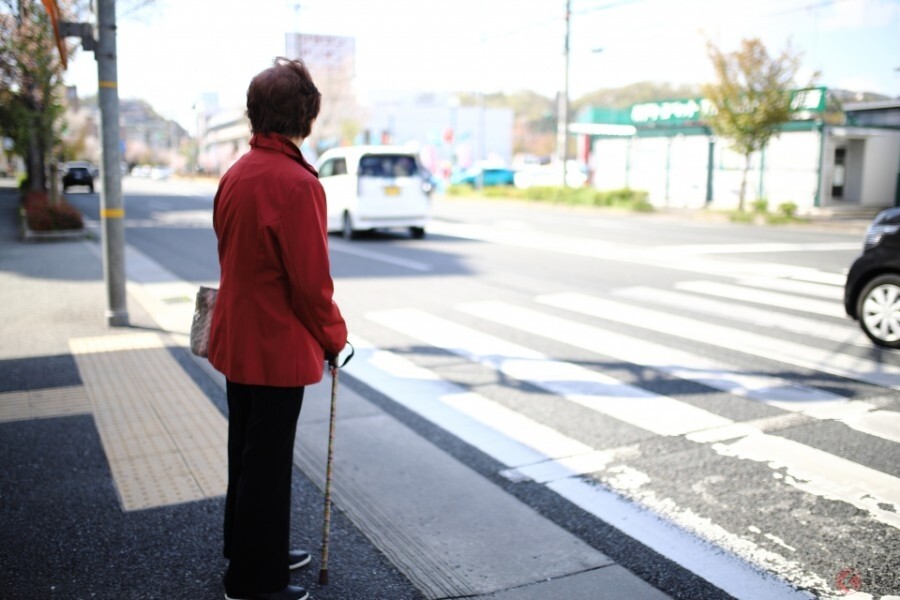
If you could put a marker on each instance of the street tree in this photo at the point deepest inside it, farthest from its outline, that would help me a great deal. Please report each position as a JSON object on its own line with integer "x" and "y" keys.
{"x": 750, "y": 97}
{"x": 31, "y": 85}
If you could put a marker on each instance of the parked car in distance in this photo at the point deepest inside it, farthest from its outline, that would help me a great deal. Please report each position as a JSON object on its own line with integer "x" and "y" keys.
{"x": 375, "y": 187}
{"x": 484, "y": 176}
{"x": 872, "y": 289}
{"x": 76, "y": 174}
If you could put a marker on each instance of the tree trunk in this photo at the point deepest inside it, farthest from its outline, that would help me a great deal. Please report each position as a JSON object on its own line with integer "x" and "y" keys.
{"x": 35, "y": 163}
{"x": 744, "y": 182}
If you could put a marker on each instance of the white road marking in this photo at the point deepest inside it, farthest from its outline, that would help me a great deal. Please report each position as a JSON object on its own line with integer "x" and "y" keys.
{"x": 762, "y": 247}
{"x": 724, "y": 290}
{"x": 847, "y": 333}
{"x": 822, "y": 474}
{"x": 637, "y": 254}
{"x": 810, "y": 357}
{"x": 507, "y": 436}
{"x": 793, "y": 286}
{"x": 659, "y": 414}
{"x": 771, "y": 390}
{"x": 730, "y": 562}
{"x": 880, "y": 423}
{"x": 344, "y": 248}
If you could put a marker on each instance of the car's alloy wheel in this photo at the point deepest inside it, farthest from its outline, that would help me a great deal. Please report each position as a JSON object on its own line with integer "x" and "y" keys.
{"x": 879, "y": 310}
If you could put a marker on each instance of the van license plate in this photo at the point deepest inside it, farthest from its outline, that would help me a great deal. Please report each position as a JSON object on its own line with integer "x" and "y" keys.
{"x": 391, "y": 190}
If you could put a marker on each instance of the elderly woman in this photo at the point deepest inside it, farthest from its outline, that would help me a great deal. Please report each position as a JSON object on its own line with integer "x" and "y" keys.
{"x": 274, "y": 325}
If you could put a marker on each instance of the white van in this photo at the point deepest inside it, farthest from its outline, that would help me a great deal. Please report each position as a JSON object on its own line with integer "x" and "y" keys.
{"x": 375, "y": 187}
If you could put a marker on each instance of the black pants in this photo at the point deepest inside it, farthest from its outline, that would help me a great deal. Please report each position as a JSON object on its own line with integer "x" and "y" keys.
{"x": 262, "y": 423}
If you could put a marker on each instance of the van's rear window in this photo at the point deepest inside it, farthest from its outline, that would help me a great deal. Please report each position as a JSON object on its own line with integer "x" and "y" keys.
{"x": 388, "y": 165}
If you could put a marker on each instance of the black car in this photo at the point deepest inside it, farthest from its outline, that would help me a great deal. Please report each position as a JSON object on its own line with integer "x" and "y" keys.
{"x": 78, "y": 175}
{"x": 872, "y": 291}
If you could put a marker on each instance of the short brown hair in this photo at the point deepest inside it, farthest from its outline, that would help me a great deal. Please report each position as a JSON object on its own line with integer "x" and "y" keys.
{"x": 283, "y": 99}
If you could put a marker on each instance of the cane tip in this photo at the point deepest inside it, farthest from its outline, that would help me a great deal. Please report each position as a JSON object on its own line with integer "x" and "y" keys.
{"x": 323, "y": 577}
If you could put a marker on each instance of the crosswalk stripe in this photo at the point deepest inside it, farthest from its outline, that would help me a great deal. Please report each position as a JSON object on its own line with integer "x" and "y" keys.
{"x": 810, "y": 357}
{"x": 734, "y": 292}
{"x": 659, "y": 414}
{"x": 822, "y": 474}
{"x": 637, "y": 254}
{"x": 771, "y": 390}
{"x": 881, "y": 423}
{"x": 793, "y": 286}
{"x": 760, "y": 247}
{"x": 844, "y": 334}
{"x": 507, "y": 436}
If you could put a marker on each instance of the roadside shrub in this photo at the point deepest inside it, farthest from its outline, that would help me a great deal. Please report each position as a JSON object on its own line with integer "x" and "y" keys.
{"x": 501, "y": 191}
{"x": 760, "y": 206}
{"x": 642, "y": 205}
{"x": 544, "y": 193}
{"x": 740, "y": 216}
{"x": 43, "y": 216}
{"x": 624, "y": 198}
{"x": 788, "y": 209}
{"x": 460, "y": 189}
{"x": 583, "y": 196}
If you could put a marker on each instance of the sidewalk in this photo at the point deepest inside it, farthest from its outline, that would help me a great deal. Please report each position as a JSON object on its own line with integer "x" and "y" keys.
{"x": 112, "y": 443}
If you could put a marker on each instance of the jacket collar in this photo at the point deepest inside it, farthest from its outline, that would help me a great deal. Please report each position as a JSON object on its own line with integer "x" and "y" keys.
{"x": 280, "y": 143}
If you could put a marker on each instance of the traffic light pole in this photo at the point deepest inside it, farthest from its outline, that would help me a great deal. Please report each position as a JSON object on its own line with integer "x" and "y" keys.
{"x": 112, "y": 209}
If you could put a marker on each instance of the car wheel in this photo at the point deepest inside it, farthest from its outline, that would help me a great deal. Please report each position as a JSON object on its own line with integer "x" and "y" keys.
{"x": 417, "y": 233}
{"x": 878, "y": 308}
{"x": 91, "y": 188}
{"x": 347, "y": 231}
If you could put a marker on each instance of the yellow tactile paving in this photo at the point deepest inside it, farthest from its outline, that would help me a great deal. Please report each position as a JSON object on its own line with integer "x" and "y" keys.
{"x": 210, "y": 466}
{"x": 157, "y": 480}
{"x": 164, "y": 440}
{"x": 43, "y": 403}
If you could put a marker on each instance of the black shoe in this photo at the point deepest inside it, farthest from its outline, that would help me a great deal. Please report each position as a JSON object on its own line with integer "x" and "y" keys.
{"x": 291, "y": 592}
{"x": 297, "y": 559}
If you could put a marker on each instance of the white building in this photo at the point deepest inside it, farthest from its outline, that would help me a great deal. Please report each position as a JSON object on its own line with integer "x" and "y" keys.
{"x": 667, "y": 149}
{"x": 446, "y": 134}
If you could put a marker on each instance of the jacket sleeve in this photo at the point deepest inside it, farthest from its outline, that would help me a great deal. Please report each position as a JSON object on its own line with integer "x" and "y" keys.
{"x": 303, "y": 238}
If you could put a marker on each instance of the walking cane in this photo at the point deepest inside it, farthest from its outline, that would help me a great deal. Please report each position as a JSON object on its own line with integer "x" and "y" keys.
{"x": 326, "y": 529}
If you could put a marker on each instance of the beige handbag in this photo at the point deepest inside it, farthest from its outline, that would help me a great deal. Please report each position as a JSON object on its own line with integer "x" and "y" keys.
{"x": 203, "y": 311}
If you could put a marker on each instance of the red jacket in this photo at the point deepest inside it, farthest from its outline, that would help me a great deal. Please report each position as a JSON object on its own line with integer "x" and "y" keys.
{"x": 274, "y": 318}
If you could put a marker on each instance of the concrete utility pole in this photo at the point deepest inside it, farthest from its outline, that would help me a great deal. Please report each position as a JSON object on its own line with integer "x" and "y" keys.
{"x": 562, "y": 133}
{"x": 112, "y": 209}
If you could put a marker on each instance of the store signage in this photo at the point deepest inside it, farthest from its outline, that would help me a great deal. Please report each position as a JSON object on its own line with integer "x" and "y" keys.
{"x": 670, "y": 111}
{"x": 693, "y": 110}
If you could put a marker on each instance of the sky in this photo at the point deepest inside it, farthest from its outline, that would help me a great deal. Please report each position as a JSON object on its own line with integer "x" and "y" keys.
{"x": 173, "y": 51}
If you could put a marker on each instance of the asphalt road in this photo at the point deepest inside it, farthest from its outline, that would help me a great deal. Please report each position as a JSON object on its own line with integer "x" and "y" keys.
{"x": 706, "y": 368}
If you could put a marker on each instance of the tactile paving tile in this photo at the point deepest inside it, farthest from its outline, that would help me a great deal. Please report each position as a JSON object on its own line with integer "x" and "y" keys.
{"x": 151, "y": 481}
{"x": 44, "y": 403}
{"x": 210, "y": 467}
{"x": 165, "y": 442}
